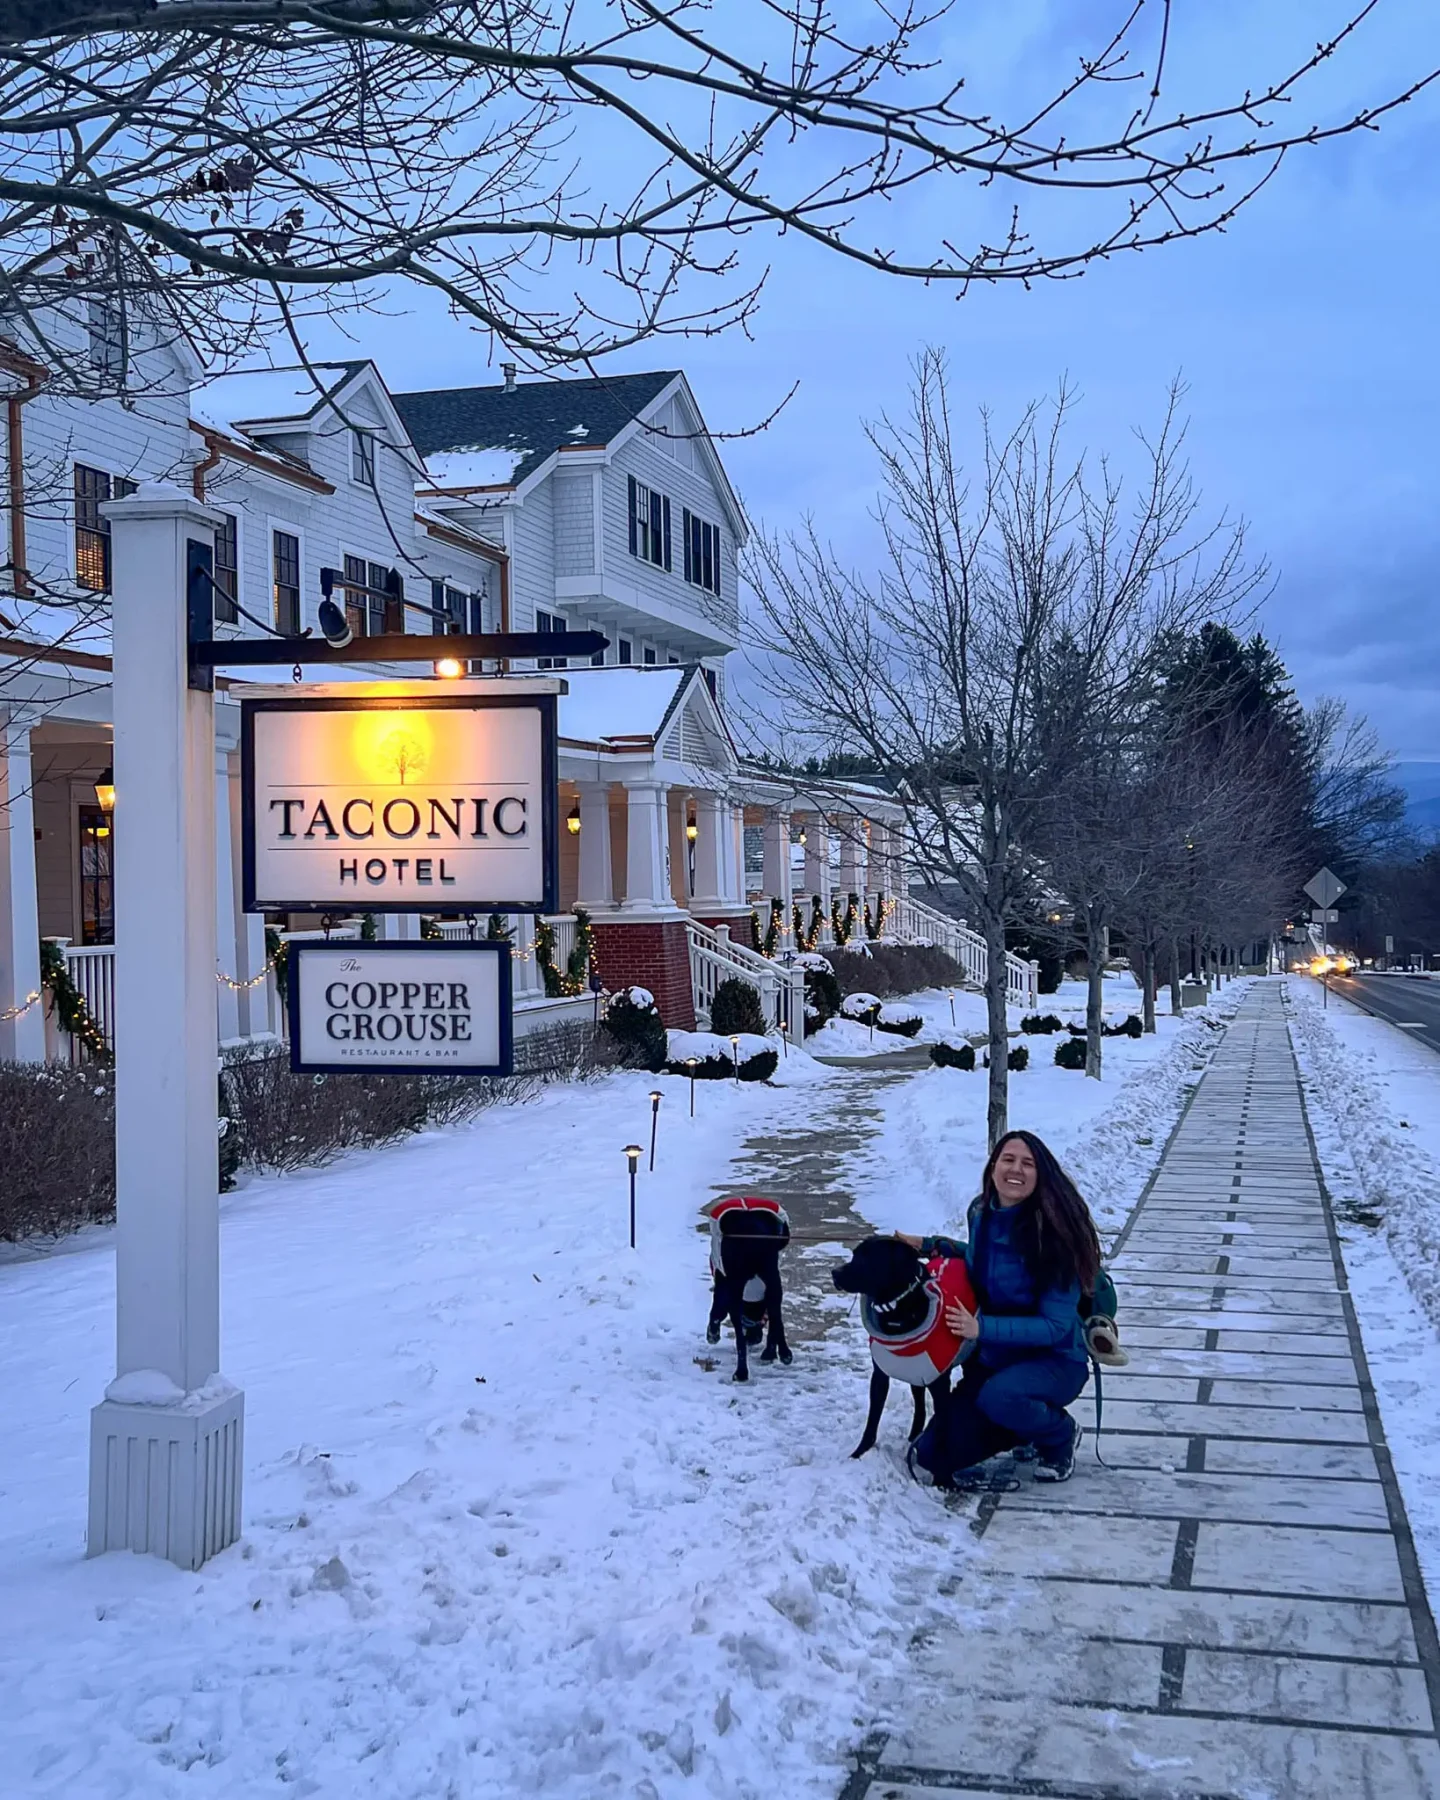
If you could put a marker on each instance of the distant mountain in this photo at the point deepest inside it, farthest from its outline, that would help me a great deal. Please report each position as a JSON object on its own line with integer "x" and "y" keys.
{"x": 1421, "y": 782}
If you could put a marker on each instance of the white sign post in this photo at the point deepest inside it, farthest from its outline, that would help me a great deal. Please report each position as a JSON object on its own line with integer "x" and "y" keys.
{"x": 166, "y": 1440}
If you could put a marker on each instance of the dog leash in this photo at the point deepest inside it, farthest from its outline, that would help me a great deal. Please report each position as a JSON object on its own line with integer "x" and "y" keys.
{"x": 1099, "y": 1410}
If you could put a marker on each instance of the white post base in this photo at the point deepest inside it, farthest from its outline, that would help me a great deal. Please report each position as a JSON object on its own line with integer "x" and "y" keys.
{"x": 165, "y": 1480}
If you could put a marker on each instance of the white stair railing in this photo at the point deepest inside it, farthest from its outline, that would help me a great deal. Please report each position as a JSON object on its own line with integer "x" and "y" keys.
{"x": 914, "y": 922}
{"x": 715, "y": 957}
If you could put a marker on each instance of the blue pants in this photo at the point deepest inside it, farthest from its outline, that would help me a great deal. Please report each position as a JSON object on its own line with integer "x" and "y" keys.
{"x": 996, "y": 1409}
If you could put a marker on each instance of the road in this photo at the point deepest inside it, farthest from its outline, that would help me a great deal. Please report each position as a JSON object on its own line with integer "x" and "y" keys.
{"x": 1399, "y": 999}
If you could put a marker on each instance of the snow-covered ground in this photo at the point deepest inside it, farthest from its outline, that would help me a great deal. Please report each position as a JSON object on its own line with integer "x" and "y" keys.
{"x": 505, "y": 1532}
{"x": 1372, "y": 1096}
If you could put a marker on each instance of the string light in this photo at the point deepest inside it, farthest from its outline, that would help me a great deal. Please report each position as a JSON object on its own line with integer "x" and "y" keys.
{"x": 19, "y": 1012}
{"x": 241, "y": 987}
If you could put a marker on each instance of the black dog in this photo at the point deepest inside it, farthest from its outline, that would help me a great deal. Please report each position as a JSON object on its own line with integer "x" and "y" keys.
{"x": 903, "y": 1301}
{"x": 747, "y": 1236}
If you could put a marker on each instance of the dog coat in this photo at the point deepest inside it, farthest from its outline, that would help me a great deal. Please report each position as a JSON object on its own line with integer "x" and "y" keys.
{"x": 743, "y": 1203}
{"x": 925, "y": 1352}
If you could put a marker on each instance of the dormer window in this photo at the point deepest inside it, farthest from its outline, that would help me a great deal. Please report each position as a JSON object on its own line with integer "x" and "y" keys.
{"x": 649, "y": 524}
{"x": 105, "y": 332}
{"x": 362, "y": 457}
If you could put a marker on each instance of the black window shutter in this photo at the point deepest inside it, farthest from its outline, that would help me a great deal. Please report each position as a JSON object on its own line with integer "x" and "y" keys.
{"x": 634, "y": 545}
{"x": 665, "y": 515}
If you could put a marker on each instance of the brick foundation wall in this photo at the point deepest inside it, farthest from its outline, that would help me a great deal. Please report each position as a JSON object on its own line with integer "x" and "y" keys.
{"x": 654, "y": 956}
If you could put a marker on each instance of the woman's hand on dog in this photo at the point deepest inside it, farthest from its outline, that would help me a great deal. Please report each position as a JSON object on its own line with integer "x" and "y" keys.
{"x": 964, "y": 1324}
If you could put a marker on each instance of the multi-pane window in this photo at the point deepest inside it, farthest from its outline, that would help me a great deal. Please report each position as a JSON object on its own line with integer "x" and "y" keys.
{"x": 702, "y": 552}
{"x": 649, "y": 656}
{"x": 551, "y": 624}
{"x": 649, "y": 524}
{"x": 105, "y": 330}
{"x": 627, "y": 651}
{"x": 92, "y": 528}
{"x": 227, "y": 571}
{"x": 366, "y": 611}
{"x": 285, "y": 556}
{"x": 463, "y": 612}
{"x": 97, "y": 886}
{"x": 362, "y": 457}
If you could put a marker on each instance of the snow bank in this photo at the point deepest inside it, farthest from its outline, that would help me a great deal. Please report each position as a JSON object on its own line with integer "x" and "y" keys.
{"x": 1372, "y": 1100}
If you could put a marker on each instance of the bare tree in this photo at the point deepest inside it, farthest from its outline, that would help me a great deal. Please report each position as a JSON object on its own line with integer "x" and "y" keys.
{"x": 231, "y": 163}
{"x": 1015, "y": 619}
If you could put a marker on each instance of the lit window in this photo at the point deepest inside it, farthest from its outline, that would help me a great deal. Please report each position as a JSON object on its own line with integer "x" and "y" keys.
{"x": 285, "y": 558}
{"x": 92, "y": 528}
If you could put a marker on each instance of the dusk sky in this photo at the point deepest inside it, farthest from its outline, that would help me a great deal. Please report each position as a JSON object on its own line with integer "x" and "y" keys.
{"x": 1306, "y": 334}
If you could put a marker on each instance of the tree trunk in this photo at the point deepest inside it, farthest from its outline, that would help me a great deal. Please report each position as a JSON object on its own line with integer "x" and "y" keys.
{"x": 1097, "y": 948}
{"x": 1176, "y": 1007}
{"x": 998, "y": 1023}
{"x": 1148, "y": 978}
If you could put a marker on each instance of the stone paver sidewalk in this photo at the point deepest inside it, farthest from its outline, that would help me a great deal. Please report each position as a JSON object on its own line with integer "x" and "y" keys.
{"x": 1233, "y": 1608}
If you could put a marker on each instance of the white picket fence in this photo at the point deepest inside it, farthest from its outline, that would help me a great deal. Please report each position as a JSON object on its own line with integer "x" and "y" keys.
{"x": 715, "y": 957}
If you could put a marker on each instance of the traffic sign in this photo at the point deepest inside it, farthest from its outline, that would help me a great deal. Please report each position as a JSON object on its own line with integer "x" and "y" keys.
{"x": 1325, "y": 888}
{"x": 1324, "y": 915}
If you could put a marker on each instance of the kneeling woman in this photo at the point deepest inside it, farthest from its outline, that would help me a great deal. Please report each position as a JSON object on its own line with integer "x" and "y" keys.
{"x": 1032, "y": 1253}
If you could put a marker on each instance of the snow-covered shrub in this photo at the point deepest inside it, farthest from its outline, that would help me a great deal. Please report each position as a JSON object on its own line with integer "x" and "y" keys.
{"x": 1131, "y": 1027}
{"x": 736, "y": 1007}
{"x": 1019, "y": 1058}
{"x": 862, "y": 1007}
{"x": 715, "y": 1056}
{"x": 633, "y": 1020}
{"x": 1041, "y": 1023}
{"x": 953, "y": 1056}
{"x": 899, "y": 1021}
{"x": 822, "y": 993}
{"x": 57, "y": 1147}
{"x": 1070, "y": 1054}
{"x": 814, "y": 963}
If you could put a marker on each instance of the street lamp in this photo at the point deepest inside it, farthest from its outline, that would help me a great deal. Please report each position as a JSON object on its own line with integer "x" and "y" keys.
{"x": 634, "y": 1152}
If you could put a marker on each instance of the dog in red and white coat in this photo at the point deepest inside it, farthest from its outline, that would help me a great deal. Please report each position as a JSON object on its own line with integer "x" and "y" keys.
{"x": 747, "y": 1235}
{"x": 903, "y": 1298}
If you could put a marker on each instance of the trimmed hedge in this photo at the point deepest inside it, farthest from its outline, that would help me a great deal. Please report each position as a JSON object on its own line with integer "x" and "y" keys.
{"x": 906, "y": 1025}
{"x": 1041, "y": 1023}
{"x": 893, "y": 970}
{"x": 1070, "y": 1054}
{"x": 1131, "y": 1027}
{"x": 57, "y": 1148}
{"x": 822, "y": 997}
{"x": 952, "y": 1056}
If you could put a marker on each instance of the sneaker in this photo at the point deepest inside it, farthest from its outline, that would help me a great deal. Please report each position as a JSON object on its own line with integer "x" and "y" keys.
{"x": 1059, "y": 1465}
{"x": 1024, "y": 1453}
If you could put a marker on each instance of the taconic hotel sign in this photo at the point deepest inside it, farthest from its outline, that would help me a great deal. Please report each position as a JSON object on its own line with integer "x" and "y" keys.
{"x": 412, "y": 804}
{"x": 441, "y": 1008}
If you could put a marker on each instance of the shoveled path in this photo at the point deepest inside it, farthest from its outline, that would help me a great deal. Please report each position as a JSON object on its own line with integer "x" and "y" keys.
{"x": 1233, "y": 1609}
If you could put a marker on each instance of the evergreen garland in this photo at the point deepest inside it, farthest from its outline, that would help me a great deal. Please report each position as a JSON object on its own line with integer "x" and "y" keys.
{"x": 772, "y": 930}
{"x": 497, "y": 931}
{"x": 430, "y": 931}
{"x": 277, "y": 954}
{"x": 70, "y": 1009}
{"x": 874, "y": 928}
{"x": 843, "y": 924}
{"x": 570, "y": 980}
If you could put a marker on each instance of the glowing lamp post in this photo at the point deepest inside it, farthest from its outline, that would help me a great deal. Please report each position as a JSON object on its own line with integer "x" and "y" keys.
{"x": 655, "y": 1099}
{"x": 691, "y": 1062}
{"x": 634, "y": 1152}
{"x": 735, "y": 1056}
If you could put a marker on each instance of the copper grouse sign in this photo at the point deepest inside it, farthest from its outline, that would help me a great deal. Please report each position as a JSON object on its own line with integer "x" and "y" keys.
{"x": 400, "y": 804}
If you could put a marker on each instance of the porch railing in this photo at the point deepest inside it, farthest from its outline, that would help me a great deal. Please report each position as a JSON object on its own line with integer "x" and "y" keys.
{"x": 715, "y": 957}
{"x": 92, "y": 969}
{"x": 527, "y": 979}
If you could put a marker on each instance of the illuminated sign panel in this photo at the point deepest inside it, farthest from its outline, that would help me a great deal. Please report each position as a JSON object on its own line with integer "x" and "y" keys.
{"x": 400, "y": 805}
{"x": 428, "y": 1008}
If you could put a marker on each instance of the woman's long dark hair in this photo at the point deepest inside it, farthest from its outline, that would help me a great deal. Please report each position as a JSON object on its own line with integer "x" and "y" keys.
{"x": 1056, "y": 1233}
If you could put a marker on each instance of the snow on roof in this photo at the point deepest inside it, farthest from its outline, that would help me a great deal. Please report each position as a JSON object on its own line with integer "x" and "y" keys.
{"x": 475, "y": 467}
{"x": 266, "y": 394}
{"x": 605, "y": 704}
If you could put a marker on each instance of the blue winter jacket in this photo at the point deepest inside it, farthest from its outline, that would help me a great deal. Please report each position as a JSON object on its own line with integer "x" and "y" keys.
{"x": 1016, "y": 1322}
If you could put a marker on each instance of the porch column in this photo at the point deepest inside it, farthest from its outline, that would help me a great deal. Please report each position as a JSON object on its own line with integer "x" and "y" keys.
{"x": 733, "y": 843}
{"x": 852, "y": 857}
{"x": 647, "y": 873}
{"x": 776, "y": 841}
{"x": 597, "y": 882}
{"x": 227, "y": 997}
{"x": 397, "y": 928}
{"x": 22, "y": 1039}
{"x": 817, "y": 859}
{"x": 714, "y": 824}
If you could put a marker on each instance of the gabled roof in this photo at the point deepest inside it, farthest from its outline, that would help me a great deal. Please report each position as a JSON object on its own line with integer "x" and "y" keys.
{"x": 532, "y": 420}
{"x": 260, "y": 402}
{"x": 666, "y": 710}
